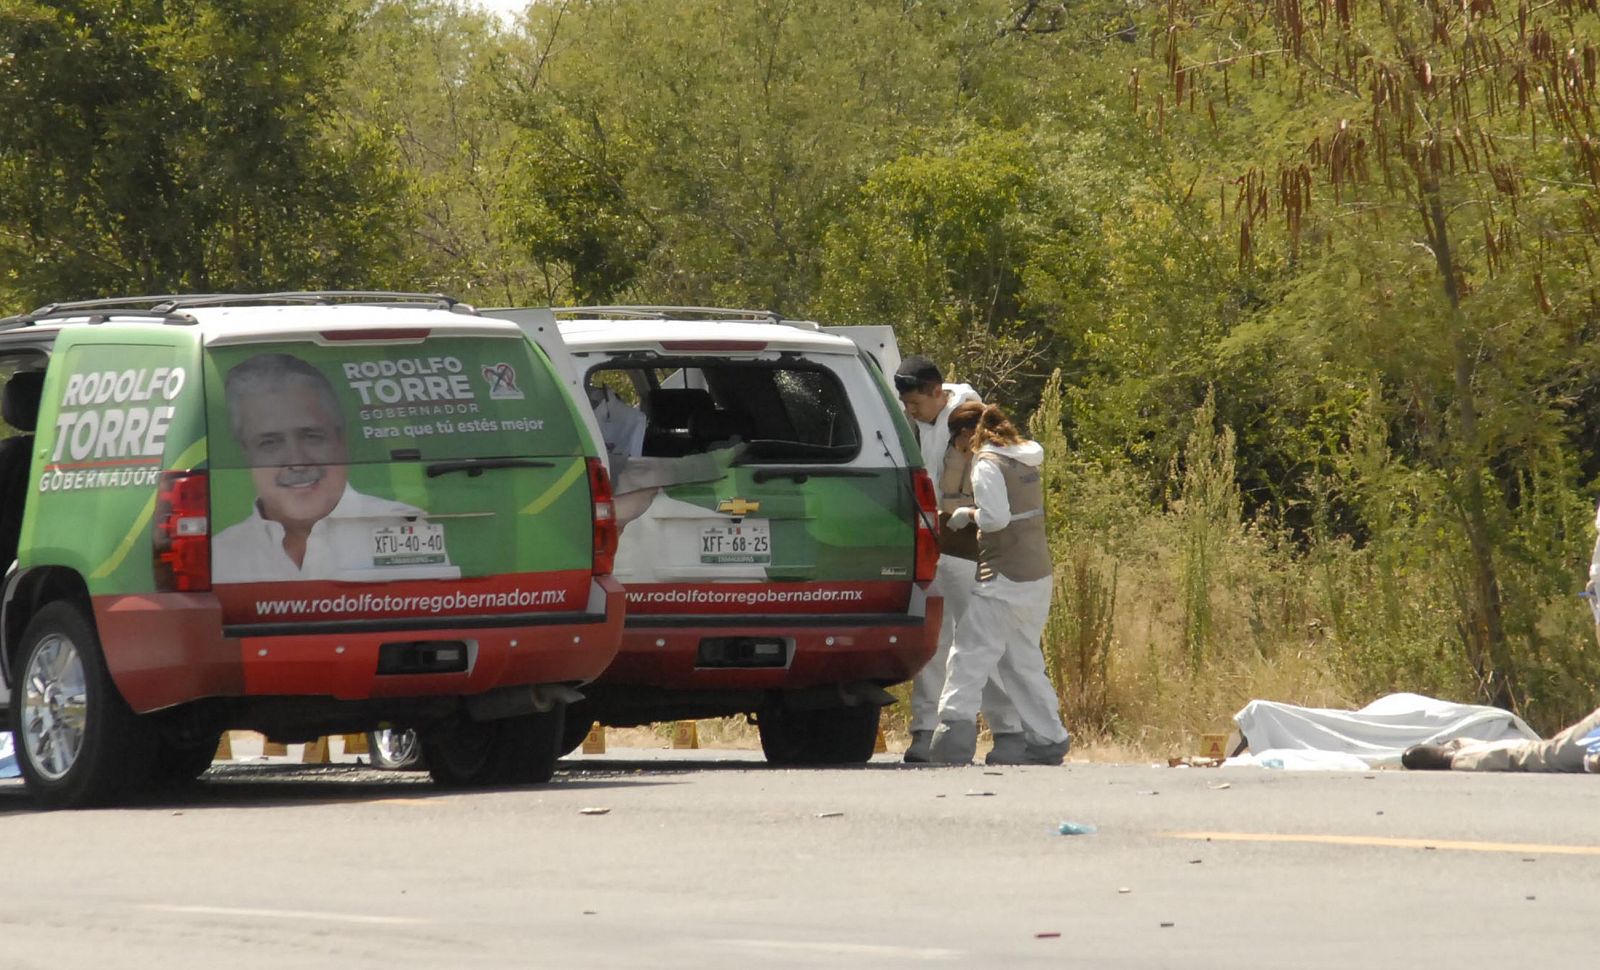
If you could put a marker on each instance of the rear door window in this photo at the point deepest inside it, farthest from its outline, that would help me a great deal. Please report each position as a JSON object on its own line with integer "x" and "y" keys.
{"x": 443, "y": 398}
{"x": 783, "y": 411}
{"x": 444, "y": 459}
{"x": 752, "y": 471}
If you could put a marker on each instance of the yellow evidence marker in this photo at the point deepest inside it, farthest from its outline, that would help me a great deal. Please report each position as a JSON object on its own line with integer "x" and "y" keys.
{"x": 1214, "y": 746}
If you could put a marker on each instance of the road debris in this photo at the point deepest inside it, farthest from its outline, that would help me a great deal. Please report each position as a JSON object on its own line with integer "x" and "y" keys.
{"x": 1052, "y": 936}
{"x": 975, "y": 793}
{"x": 594, "y": 811}
{"x": 1076, "y": 828}
{"x": 1168, "y": 925}
{"x": 1123, "y": 890}
{"x": 830, "y": 815}
{"x": 1224, "y": 786}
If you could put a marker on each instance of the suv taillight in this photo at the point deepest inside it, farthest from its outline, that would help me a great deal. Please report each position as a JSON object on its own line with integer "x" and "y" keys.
{"x": 181, "y": 532}
{"x": 927, "y": 525}
{"x": 605, "y": 518}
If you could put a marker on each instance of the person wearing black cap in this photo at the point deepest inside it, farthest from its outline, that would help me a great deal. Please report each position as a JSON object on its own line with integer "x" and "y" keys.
{"x": 928, "y": 402}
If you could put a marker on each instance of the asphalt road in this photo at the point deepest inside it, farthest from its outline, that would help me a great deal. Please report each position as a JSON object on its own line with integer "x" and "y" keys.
{"x": 711, "y": 859}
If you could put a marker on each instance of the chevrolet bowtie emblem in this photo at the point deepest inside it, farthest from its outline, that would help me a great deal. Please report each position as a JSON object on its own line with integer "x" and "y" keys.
{"x": 738, "y": 507}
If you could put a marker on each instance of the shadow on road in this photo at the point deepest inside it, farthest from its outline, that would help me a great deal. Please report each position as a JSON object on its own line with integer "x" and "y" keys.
{"x": 278, "y": 785}
{"x": 674, "y": 765}
{"x": 273, "y": 785}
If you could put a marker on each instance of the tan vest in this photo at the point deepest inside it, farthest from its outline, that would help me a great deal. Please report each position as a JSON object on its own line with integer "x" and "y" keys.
{"x": 1019, "y": 552}
{"x": 955, "y": 491}
{"x": 954, "y": 480}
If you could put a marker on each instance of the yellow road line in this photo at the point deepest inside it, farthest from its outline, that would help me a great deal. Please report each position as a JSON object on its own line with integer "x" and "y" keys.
{"x": 1448, "y": 845}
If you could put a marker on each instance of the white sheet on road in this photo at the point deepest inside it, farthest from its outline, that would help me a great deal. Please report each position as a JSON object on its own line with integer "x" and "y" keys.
{"x": 1376, "y": 734}
{"x": 1298, "y": 759}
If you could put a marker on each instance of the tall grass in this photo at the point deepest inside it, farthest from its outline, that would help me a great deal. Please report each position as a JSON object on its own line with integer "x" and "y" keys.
{"x": 1169, "y": 619}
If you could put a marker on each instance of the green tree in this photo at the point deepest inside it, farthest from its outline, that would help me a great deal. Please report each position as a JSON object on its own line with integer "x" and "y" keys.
{"x": 1434, "y": 175}
{"x": 712, "y": 144}
{"x": 433, "y": 76}
{"x": 936, "y": 245}
{"x": 156, "y": 146}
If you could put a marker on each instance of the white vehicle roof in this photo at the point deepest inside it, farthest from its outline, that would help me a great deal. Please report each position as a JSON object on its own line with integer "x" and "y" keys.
{"x": 678, "y": 336}
{"x": 245, "y": 318}
{"x": 263, "y": 324}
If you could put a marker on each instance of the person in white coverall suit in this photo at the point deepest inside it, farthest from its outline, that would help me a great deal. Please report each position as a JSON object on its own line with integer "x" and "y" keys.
{"x": 999, "y": 634}
{"x": 928, "y": 401}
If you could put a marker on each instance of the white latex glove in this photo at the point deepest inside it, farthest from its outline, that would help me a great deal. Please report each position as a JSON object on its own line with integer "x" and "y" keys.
{"x": 962, "y": 517}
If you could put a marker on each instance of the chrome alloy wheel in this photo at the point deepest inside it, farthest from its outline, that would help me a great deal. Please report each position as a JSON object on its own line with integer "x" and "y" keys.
{"x": 55, "y": 707}
{"x": 396, "y": 748}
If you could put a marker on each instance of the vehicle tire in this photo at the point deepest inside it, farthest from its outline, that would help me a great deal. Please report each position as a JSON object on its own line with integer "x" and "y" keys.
{"x": 826, "y": 736}
{"x": 176, "y": 763}
{"x": 395, "y": 750}
{"x": 576, "y": 725}
{"x": 77, "y": 742}
{"x": 508, "y": 751}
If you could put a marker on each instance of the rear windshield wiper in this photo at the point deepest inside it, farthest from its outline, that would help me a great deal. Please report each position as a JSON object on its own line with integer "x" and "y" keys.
{"x": 477, "y": 466}
{"x": 802, "y": 472}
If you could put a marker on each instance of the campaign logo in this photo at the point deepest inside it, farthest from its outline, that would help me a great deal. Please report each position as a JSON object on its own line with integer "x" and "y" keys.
{"x": 502, "y": 380}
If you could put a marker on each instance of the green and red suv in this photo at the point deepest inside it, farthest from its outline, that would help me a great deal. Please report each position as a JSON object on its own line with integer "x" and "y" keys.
{"x": 778, "y": 530}
{"x": 299, "y": 513}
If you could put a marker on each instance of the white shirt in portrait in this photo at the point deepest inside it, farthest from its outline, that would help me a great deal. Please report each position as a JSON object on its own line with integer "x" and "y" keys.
{"x": 339, "y": 547}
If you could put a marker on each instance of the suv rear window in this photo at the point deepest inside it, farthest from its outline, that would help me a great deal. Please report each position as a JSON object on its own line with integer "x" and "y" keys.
{"x": 778, "y": 410}
{"x": 438, "y": 399}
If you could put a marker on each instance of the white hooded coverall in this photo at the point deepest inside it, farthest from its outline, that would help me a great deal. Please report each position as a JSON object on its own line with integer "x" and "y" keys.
{"x": 954, "y": 581}
{"x": 999, "y": 635}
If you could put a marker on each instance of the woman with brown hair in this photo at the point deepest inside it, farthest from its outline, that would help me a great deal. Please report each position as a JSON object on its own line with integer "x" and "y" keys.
{"x": 999, "y": 634}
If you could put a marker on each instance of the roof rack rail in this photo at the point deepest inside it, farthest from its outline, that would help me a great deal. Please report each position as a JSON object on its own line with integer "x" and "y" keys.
{"x": 91, "y": 316}
{"x": 663, "y": 312}
{"x": 165, "y": 307}
{"x": 329, "y": 297}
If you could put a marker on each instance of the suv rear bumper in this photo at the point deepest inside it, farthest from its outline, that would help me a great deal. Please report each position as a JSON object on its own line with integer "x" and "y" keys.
{"x": 169, "y": 648}
{"x": 662, "y": 651}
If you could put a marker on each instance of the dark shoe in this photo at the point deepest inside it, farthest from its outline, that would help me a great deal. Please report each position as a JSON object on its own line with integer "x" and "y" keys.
{"x": 920, "y": 751}
{"x": 1023, "y": 753}
{"x": 1009, "y": 749}
{"x": 954, "y": 743}
{"x": 1428, "y": 757}
{"x": 1048, "y": 754}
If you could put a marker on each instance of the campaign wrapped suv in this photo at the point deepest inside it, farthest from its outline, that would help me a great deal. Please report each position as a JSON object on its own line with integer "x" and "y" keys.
{"x": 778, "y": 530}
{"x": 300, "y": 513}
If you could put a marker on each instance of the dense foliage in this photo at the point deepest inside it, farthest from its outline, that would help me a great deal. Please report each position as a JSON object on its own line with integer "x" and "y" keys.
{"x": 1314, "y": 278}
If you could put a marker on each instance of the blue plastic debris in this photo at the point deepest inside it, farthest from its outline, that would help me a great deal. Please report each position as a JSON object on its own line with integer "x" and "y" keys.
{"x": 1077, "y": 828}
